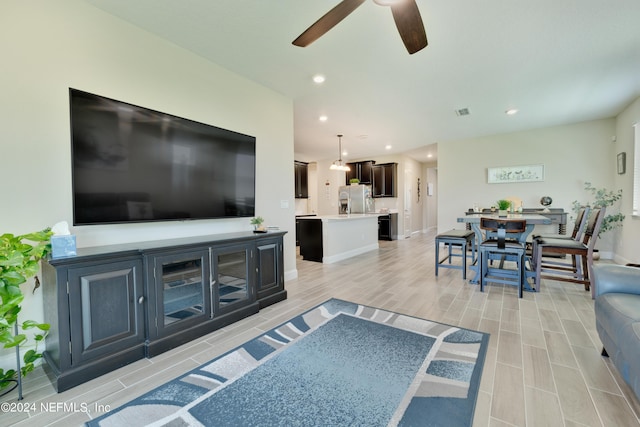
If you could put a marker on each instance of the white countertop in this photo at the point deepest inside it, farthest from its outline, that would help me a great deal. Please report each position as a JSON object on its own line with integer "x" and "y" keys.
{"x": 349, "y": 217}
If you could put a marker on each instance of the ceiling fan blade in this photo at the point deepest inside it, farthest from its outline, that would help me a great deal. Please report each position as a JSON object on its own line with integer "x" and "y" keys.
{"x": 327, "y": 22}
{"x": 409, "y": 24}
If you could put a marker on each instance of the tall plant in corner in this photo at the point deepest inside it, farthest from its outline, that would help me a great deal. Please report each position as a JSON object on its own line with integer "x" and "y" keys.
{"x": 19, "y": 261}
{"x": 603, "y": 198}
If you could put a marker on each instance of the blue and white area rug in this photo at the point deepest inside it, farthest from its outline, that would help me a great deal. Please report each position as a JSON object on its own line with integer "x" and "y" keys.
{"x": 338, "y": 364}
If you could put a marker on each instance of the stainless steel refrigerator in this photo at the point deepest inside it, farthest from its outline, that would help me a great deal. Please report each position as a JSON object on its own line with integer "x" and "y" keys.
{"x": 354, "y": 199}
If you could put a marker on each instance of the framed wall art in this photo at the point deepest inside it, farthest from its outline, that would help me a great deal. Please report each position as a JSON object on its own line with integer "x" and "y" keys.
{"x": 507, "y": 174}
{"x": 622, "y": 163}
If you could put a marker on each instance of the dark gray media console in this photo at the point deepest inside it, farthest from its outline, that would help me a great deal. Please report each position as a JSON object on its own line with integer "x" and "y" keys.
{"x": 110, "y": 306}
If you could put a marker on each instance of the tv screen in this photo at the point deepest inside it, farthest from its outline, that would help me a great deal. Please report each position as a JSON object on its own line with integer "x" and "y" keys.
{"x": 133, "y": 164}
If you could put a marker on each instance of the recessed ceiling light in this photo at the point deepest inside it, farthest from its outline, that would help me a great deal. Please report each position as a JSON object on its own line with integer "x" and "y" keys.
{"x": 387, "y": 147}
{"x": 511, "y": 111}
{"x": 429, "y": 155}
{"x": 318, "y": 78}
{"x": 323, "y": 118}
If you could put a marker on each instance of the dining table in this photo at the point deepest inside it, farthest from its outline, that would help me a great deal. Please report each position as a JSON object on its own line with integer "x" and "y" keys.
{"x": 532, "y": 219}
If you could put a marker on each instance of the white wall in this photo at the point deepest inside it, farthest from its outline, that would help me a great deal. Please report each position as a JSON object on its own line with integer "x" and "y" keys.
{"x": 431, "y": 202}
{"x": 48, "y": 47}
{"x": 325, "y": 183}
{"x": 628, "y": 246}
{"x": 571, "y": 155}
{"x": 412, "y": 172}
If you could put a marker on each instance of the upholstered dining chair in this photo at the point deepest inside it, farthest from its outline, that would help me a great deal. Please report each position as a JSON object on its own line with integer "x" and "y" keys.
{"x": 580, "y": 267}
{"x": 498, "y": 245}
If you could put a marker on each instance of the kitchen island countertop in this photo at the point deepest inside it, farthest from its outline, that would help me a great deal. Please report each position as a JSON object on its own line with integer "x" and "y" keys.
{"x": 343, "y": 217}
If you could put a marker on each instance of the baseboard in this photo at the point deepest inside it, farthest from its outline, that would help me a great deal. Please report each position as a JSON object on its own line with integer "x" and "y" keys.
{"x": 291, "y": 274}
{"x": 348, "y": 254}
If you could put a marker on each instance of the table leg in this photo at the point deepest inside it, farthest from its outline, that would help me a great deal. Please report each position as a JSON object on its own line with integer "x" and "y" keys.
{"x": 475, "y": 266}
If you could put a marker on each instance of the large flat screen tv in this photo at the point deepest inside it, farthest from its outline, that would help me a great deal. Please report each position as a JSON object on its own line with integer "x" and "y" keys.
{"x": 133, "y": 164}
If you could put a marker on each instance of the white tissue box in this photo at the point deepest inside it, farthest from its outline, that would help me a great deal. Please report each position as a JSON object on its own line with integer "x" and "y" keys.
{"x": 62, "y": 246}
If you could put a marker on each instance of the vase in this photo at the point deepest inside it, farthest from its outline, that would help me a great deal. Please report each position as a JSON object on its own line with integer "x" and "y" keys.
{"x": 502, "y": 212}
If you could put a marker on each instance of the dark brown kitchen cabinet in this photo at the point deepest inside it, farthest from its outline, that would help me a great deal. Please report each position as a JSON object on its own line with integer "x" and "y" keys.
{"x": 360, "y": 170}
{"x": 385, "y": 176}
{"x": 301, "y": 176}
{"x": 388, "y": 227}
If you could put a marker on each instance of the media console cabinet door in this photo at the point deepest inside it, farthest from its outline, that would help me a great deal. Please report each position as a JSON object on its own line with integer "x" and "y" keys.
{"x": 106, "y": 309}
{"x": 179, "y": 291}
{"x": 268, "y": 269}
{"x": 232, "y": 284}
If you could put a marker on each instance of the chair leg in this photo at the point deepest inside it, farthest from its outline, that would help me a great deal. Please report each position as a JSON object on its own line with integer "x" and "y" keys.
{"x": 585, "y": 272}
{"x": 590, "y": 273}
{"x": 538, "y": 261}
{"x": 437, "y": 256}
{"x": 578, "y": 269}
{"x": 464, "y": 261}
{"x": 483, "y": 269}
{"x": 523, "y": 276}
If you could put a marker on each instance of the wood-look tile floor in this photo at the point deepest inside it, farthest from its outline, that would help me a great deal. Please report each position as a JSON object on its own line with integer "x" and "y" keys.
{"x": 543, "y": 365}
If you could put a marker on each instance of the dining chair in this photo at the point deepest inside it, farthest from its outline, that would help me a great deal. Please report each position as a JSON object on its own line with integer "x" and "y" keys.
{"x": 580, "y": 267}
{"x": 578, "y": 227}
{"x": 462, "y": 239}
{"x": 498, "y": 245}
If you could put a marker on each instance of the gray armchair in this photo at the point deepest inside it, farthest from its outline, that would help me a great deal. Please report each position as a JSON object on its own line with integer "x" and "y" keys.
{"x": 617, "y": 310}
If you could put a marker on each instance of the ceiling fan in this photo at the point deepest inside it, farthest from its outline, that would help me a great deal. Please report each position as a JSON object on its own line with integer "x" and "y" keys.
{"x": 405, "y": 14}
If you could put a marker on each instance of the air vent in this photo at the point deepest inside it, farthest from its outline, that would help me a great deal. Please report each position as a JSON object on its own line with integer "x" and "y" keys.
{"x": 462, "y": 112}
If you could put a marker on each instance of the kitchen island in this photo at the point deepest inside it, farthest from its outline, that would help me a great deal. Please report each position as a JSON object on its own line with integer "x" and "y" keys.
{"x": 333, "y": 238}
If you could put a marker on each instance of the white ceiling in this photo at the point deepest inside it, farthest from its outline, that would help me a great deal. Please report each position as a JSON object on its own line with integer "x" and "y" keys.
{"x": 558, "y": 62}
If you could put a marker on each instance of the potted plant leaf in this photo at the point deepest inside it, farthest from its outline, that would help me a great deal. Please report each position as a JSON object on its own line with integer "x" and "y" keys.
{"x": 603, "y": 198}
{"x": 19, "y": 261}
{"x": 257, "y": 224}
{"x": 503, "y": 207}
{"x": 354, "y": 181}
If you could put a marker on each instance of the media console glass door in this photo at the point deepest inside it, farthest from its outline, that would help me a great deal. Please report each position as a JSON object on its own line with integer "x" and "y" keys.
{"x": 182, "y": 287}
{"x": 182, "y": 284}
{"x": 231, "y": 286}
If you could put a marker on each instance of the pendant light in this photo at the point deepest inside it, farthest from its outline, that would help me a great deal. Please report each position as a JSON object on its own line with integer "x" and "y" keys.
{"x": 337, "y": 165}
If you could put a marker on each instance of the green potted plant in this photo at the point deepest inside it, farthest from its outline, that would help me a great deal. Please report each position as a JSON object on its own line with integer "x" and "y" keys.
{"x": 603, "y": 198}
{"x": 257, "y": 223}
{"x": 354, "y": 181}
{"x": 503, "y": 207}
{"x": 19, "y": 261}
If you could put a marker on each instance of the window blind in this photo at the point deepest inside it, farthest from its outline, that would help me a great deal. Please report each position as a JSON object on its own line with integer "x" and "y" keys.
{"x": 636, "y": 170}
